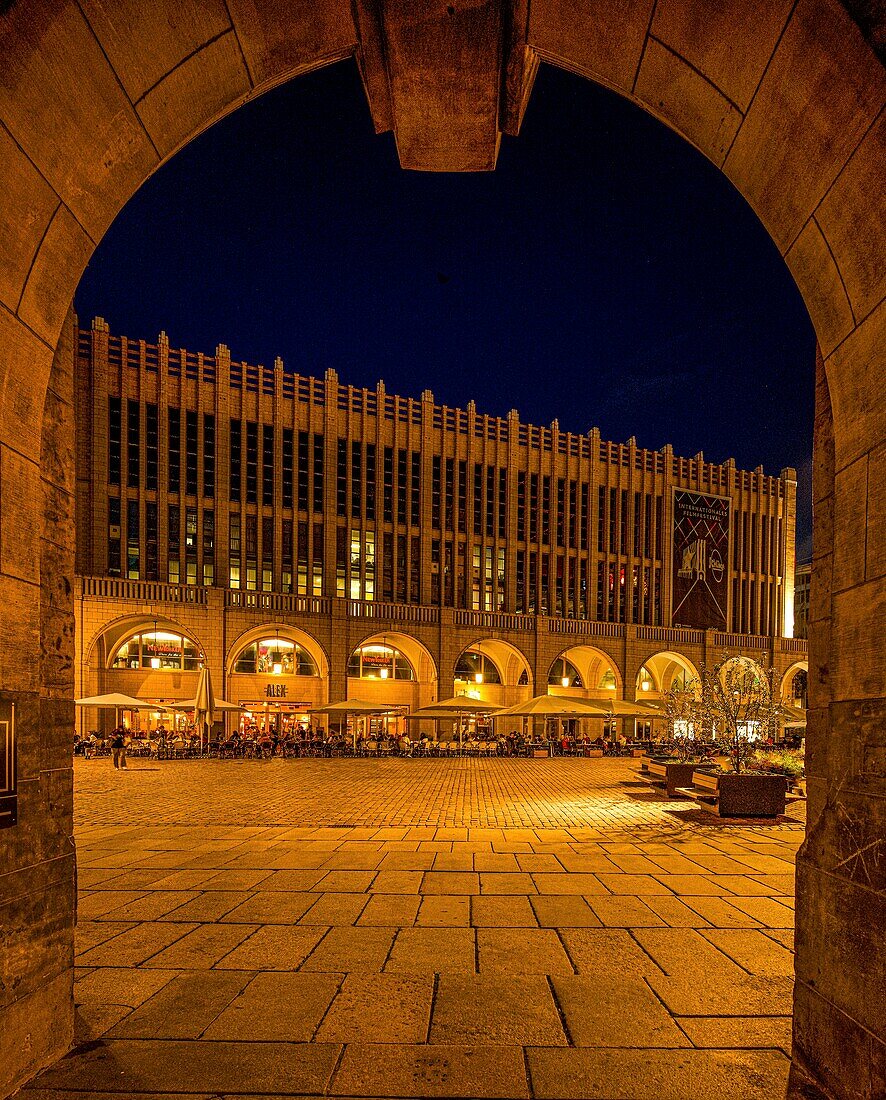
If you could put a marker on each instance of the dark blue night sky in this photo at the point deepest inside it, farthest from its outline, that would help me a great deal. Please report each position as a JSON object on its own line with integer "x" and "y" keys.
{"x": 605, "y": 274}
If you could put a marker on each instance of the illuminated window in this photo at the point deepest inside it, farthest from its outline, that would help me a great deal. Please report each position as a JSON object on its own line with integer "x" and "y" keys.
{"x": 157, "y": 649}
{"x": 564, "y": 674}
{"x": 474, "y": 667}
{"x": 375, "y": 661}
{"x": 275, "y": 657}
{"x": 608, "y": 681}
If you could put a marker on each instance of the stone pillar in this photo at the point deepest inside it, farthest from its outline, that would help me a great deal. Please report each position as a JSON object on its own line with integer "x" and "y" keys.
{"x": 841, "y": 868}
{"x": 37, "y": 896}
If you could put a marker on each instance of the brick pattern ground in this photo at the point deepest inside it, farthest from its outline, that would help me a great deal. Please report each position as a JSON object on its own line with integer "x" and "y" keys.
{"x": 497, "y": 792}
{"x": 612, "y": 950}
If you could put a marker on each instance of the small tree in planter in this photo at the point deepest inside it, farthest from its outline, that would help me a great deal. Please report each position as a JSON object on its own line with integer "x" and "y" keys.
{"x": 682, "y": 710}
{"x": 739, "y": 701}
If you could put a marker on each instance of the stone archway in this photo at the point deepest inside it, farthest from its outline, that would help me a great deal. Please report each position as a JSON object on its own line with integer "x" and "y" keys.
{"x": 786, "y": 98}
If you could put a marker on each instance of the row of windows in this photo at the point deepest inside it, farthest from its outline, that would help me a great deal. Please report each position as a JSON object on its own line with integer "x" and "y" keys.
{"x": 553, "y": 511}
{"x": 141, "y": 458}
{"x": 171, "y": 651}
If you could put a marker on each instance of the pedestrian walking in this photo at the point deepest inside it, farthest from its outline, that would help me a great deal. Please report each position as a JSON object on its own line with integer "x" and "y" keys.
{"x": 118, "y": 748}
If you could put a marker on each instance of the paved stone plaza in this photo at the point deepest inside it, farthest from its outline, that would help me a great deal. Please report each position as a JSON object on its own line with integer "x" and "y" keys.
{"x": 417, "y": 928}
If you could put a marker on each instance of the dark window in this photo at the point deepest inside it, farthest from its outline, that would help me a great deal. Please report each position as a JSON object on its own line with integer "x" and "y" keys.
{"x": 173, "y": 530}
{"x": 601, "y": 519}
{"x": 502, "y": 503}
{"x": 318, "y": 473}
{"x": 286, "y": 544}
{"x": 236, "y": 468}
{"x": 287, "y": 467}
{"x": 267, "y": 464}
{"x": 623, "y": 524}
{"x": 208, "y": 455}
{"x": 191, "y": 448}
{"x": 388, "y": 486}
{"x": 356, "y": 477}
{"x": 303, "y": 470}
{"x": 152, "y": 448}
{"x": 490, "y": 502}
{"x": 435, "y": 490}
{"x": 175, "y": 450}
{"x": 521, "y": 505}
{"x": 658, "y": 538}
{"x": 114, "y": 536}
{"x": 462, "y": 495}
{"x": 370, "y": 481}
{"x": 450, "y": 489}
{"x": 583, "y": 490}
{"x": 416, "y": 488}
{"x": 267, "y": 540}
{"x": 132, "y": 541}
{"x": 637, "y": 525}
{"x": 251, "y": 463}
{"x": 208, "y": 536}
{"x": 133, "y": 437}
{"x": 521, "y": 580}
{"x": 561, "y": 511}
{"x": 533, "y": 507}
{"x": 114, "y": 440}
{"x": 401, "y": 487}
{"x": 545, "y": 509}
{"x": 613, "y": 521}
{"x": 341, "y": 481}
{"x": 573, "y": 513}
{"x": 152, "y": 556}
{"x": 414, "y": 590}
{"x": 478, "y": 499}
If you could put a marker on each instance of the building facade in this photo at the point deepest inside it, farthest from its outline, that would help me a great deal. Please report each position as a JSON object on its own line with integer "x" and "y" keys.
{"x": 299, "y": 534}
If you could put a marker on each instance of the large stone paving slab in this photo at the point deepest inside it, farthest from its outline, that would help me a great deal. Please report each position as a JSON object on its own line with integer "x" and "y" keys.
{"x": 423, "y": 928}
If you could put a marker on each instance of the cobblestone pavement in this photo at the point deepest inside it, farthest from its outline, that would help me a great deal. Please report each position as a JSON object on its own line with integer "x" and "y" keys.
{"x": 567, "y": 934}
{"x": 497, "y": 792}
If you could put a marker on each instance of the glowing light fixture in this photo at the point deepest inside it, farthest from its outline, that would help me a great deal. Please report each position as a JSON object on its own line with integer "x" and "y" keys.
{"x": 278, "y": 669}
{"x": 565, "y": 681}
{"x": 155, "y": 662}
{"x": 384, "y": 673}
{"x": 478, "y": 677}
{"x": 645, "y": 685}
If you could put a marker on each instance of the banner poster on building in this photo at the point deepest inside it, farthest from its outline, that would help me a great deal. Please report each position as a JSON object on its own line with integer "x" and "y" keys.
{"x": 701, "y": 553}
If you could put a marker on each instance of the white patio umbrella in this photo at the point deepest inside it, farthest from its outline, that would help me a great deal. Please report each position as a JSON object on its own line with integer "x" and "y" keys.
{"x": 357, "y": 707}
{"x": 456, "y": 706}
{"x": 116, "y": 701}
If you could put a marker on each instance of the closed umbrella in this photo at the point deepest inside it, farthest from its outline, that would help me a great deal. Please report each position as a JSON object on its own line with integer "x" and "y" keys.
{"x": 204, "y": 704}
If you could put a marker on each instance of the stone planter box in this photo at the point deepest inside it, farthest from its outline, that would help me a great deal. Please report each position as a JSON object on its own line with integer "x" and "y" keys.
{"x": 671, "y": 776}
{"x": 751, "y": 794}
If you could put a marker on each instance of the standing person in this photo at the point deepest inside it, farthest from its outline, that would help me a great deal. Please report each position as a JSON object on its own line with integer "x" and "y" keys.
{"x": 118, "y": 748}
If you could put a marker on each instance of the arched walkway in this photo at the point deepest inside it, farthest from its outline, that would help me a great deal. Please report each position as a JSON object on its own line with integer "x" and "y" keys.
{"x": 493, "y": 671}
{"x": 147, "y": 658}
{"x": 795, "y": 685}
{"x": 278, "y": 673}
{"x": 599, "y": 677}
{"x": 662, "y": 671}
{"x": 392, "y": 669}
{"x": 94, "y": 98}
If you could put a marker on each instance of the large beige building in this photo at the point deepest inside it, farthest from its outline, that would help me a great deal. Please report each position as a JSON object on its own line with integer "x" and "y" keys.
{"x": 312, "y": 541}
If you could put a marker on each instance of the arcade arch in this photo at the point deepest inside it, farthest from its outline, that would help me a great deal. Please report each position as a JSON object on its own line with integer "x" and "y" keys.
{"x": 505, "y": 677}
{"x": 664, "y": 671}
{"x": 155, "y": 659}
{"x": 795, "y": 685}
{"x": 394, "y": 669}
{"x": 278, "y": 673}
{"x": 792, "y": 114}
{"x": 598, "y": 676}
